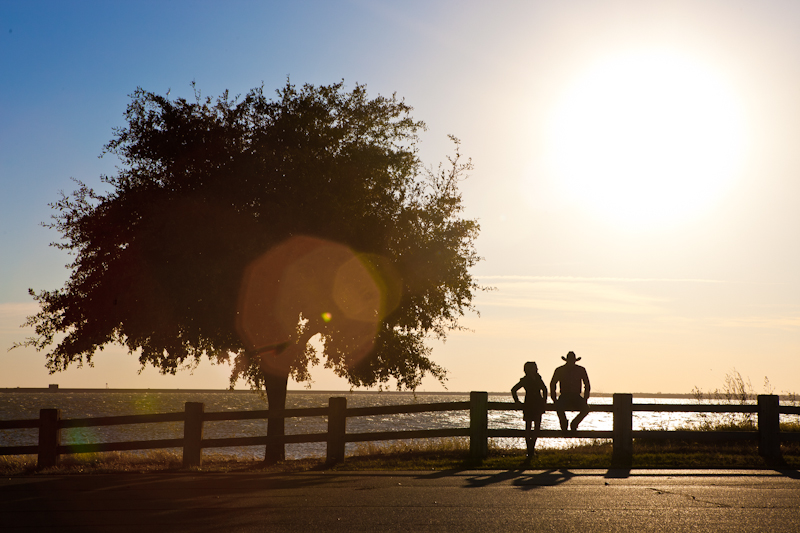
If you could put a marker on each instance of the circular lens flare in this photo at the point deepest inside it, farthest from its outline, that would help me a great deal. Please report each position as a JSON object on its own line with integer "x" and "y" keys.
{"x": 303, "y": 283}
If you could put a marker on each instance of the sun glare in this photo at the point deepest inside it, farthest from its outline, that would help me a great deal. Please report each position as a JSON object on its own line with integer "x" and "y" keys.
{"x": 646, "y": 138}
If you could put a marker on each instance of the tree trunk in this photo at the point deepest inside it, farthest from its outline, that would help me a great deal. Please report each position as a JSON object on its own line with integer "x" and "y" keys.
{"x": 276, "y": 398}
{"x": 275, "y": 366}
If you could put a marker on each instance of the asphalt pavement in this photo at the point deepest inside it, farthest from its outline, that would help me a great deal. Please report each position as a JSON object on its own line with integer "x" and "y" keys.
{"x": 462, "y": 501}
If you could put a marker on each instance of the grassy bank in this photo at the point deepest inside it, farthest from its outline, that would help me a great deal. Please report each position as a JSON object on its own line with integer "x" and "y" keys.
{"x": 442, "y": 454}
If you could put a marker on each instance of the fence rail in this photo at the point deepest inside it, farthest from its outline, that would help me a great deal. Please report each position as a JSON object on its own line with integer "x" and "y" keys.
{"x": 50, "y": 424}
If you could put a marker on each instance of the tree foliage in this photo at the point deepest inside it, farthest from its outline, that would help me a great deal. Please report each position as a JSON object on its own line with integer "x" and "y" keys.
{"x": 209, "y": 188}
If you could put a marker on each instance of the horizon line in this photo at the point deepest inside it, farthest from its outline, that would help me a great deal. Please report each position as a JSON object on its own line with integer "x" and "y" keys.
{"x": 597, "y": 278}
{"x": 56, "y": 390}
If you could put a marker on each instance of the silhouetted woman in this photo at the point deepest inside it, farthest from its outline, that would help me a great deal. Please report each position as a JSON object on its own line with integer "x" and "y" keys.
{"x": 535, "y": 403}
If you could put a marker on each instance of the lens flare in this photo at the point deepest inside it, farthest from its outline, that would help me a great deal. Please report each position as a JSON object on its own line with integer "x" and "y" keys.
{"x": 304, "y": 282}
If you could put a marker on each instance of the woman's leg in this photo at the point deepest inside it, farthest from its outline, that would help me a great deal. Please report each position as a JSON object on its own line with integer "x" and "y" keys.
{"x": 537, "y": 422}
{"x": 528, "y": 436}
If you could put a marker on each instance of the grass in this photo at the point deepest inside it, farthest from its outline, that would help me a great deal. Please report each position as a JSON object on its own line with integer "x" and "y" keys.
{"x": 432, "y": 454}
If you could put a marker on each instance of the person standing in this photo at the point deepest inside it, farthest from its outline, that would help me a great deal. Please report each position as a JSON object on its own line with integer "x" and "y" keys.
{"x": 571, "y": 378}
{"x": 535, "y": 403}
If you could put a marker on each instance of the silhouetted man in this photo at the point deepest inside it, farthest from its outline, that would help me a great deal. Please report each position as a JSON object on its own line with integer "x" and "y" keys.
{"x": 570, "y": 376}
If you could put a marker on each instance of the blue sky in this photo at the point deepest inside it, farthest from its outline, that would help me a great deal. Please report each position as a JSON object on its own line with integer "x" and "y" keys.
{"x": 652, "y": 305}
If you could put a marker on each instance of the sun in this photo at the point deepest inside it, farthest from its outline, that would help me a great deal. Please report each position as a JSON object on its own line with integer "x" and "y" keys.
{"x": 646, "y": 138}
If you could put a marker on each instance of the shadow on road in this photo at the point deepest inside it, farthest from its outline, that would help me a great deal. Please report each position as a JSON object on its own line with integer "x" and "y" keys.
{"x": 792, "y": 474}
{"x": 531, "y": 478}
{"x": 524, "y": 479}
{"x": 618, "y": 473}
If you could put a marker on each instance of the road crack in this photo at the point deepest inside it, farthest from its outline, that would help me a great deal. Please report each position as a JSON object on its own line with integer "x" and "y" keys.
{"x": 690, "y": 497}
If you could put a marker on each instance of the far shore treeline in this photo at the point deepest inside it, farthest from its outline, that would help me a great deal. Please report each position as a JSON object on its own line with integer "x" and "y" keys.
{"x": 324, "y": 392}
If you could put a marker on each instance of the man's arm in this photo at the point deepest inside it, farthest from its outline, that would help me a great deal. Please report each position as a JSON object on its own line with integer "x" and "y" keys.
{"x": 587, "y": 387}
{"x": 553, "y": 383}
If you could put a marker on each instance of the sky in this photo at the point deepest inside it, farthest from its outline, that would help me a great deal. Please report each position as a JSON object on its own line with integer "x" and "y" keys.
{"x": 636, "y": 166}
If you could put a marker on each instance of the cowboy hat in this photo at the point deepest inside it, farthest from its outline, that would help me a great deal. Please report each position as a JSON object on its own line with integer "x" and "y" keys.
{"x": 571, "y": 357}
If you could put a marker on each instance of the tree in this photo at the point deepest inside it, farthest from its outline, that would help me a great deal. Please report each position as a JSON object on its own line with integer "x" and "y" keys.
{"x": 240, "y": 229}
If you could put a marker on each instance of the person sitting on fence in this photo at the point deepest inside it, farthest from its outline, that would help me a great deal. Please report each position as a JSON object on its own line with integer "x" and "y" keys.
{"x": 570, "y": 376}
{"x": 535, "y": 403}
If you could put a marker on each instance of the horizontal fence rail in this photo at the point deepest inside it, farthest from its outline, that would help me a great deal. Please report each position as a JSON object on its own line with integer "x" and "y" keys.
{"x": 121, "y": 420}
{"x": 50, "y": 424}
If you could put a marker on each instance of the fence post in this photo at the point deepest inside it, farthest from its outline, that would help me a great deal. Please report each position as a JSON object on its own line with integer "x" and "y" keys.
{"x": 49, "y": 437}
{"x": 769, "y": 438}
{"x": 193, "y": 434}
{"x": 622, "y": 454}
{"x": 337, "y": 429}
{"x": 478, "y": 425}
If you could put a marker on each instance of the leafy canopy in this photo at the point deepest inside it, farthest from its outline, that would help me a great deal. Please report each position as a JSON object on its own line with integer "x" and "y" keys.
{"x": 241, "y": 228}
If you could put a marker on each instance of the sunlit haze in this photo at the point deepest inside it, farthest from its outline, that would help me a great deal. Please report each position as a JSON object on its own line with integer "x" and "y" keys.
{"x": 647, "y": 137}
{"x": 636, "y": 169}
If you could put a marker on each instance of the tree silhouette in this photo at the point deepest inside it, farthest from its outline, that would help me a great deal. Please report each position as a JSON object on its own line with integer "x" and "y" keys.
{"x": 242, "y": 228}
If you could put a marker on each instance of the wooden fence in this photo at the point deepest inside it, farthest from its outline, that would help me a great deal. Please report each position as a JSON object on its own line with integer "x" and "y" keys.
{"x": 50, "y": 424}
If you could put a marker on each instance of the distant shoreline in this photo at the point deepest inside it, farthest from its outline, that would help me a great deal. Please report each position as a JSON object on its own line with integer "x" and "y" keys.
{"x": 304, "y": 391}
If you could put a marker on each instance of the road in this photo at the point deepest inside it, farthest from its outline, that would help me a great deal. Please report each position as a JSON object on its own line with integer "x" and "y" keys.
{"x": 464, "y": 501}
